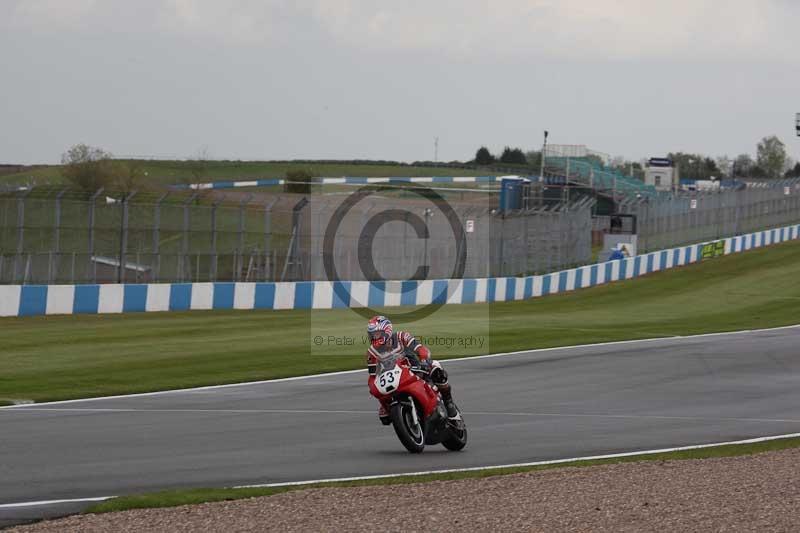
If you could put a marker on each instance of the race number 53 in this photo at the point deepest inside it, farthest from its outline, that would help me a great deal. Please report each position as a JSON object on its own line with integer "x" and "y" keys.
{"x": 388, "y": 380}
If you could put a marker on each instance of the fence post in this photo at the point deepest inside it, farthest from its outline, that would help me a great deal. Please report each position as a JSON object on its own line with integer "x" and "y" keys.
{"x": 213, "y": 266}
{"x": 428, "y": 214}
{"x": 183, "y": 264}
{"x": 293, "y": 250}
{"x": 123, "y": 237}
{"x": 268, "y": 270}
{"x": 157, "y": 236}
{"x": 56, "y": 260}
{"x": 501, "y": 250}
{"x": 239, "y": 257}
{"x": 20, "y": 231}
{"x": 526, "y": 218}
{"x": 405, "y": 239}
{"x": 92, "y": 266}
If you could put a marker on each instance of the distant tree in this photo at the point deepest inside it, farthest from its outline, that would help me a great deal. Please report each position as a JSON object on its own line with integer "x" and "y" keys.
{"x": 742, "y": 166}
{"x": 617, "y": 162}
{"x": 788, "y": 165}
{"x": 771, "y": 155}
{"x": 596, "y": 159}
{"x": 513, "y": 156}
{"x": 623, "y": 166}
{"x": 483, "y": 156}
{"x": 710, "y": 168}
{"x": 637, "y": 170}
{"x": 198, "y": 166}
{"x": 88, "y": 168}
{"x": 724, "y": 164}
{"x": 127, "y": 176}
{"x": 793, "y": 172}
{"x": 695, "y": 166}
{"x": 298, "y": 181}
{"x": 534, "y": 158}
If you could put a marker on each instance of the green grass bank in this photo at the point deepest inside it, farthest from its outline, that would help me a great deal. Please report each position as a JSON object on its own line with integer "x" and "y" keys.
{"x": 159, "y": 172}
{"x": 64, "y": 357}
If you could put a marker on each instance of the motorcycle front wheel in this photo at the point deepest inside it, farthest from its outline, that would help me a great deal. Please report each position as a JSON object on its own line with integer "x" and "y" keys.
{"x": 408, "y": 425}
{"x": 458, "y": 434}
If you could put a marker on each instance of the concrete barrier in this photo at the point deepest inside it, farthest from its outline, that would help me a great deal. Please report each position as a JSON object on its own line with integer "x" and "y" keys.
{"x": 349, "y": 180}
{"x": 32, "y": 300}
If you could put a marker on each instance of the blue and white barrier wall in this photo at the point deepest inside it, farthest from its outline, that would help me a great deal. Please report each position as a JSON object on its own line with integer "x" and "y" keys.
{"x": 30, "y": 300}
{"x": 346, "y": 180}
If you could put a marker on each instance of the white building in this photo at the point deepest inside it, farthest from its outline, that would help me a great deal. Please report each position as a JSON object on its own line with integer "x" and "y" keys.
{"x": 661, "y": 174}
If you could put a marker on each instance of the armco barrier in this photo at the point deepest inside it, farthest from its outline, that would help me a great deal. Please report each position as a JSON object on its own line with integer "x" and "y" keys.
{"x": 30, "y": 300}
{"x": 348, "y": 180}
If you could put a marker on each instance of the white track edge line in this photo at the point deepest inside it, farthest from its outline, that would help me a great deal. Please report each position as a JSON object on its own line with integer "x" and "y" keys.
{"x": 53, "y": 502}
{"x": 534, "y": 463}
{"x": 446, "y": 471}
{"x": 455, "y": 359}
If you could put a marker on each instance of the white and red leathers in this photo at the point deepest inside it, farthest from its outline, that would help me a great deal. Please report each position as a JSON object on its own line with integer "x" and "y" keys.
{"x": 418, "y": 355}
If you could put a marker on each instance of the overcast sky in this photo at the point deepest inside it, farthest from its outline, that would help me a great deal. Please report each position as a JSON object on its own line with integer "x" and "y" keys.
{"x": 342, "y": 79}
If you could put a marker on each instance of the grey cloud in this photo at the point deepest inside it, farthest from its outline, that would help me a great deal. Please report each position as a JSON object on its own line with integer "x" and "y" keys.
{"x": 342, "y": 79}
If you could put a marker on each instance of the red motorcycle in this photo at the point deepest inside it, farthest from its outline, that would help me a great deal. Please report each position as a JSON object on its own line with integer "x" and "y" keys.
{"x": 416, "y": 408}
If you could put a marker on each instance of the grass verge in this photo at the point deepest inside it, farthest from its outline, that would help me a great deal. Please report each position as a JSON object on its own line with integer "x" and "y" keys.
{"x": 194, "y": 496}
{"x": 173, "y": 172}
{"x": 64, "y": 357}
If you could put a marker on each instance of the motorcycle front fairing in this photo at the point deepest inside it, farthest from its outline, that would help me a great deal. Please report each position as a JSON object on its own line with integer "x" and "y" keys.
{"x": 393, "y": 376}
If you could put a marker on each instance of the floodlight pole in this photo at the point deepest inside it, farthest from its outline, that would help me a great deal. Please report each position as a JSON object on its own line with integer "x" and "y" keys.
{"x": 544, "y": 148}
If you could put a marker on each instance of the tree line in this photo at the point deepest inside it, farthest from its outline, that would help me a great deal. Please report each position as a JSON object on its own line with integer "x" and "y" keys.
{"x": 90, "y": 168}
{"x": 771, "y": 162}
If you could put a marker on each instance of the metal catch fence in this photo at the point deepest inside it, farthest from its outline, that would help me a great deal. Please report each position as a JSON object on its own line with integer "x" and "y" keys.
{"x": 52, "y": 236}
{"x": 66, "y": 237}
{"x": 665, "y": 222}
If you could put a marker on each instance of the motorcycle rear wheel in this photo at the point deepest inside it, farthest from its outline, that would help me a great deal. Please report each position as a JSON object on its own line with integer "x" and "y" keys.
{"x": 411, "y": 435}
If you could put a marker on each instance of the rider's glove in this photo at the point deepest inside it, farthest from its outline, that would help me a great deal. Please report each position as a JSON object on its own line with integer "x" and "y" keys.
{"x": 425, "y": 365}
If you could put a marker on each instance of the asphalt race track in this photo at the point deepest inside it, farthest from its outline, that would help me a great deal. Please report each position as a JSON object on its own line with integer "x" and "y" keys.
{"x": 526, "y": 407}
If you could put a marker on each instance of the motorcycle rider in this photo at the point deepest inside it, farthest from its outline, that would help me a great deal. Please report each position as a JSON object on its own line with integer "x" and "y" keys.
{"x": 384, "y": 340}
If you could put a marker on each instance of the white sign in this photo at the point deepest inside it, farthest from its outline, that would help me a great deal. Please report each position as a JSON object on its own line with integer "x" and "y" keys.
{"x": 787, "y": 191}
{"x": 470, "y": 226}
{"x": 693, "y": 203}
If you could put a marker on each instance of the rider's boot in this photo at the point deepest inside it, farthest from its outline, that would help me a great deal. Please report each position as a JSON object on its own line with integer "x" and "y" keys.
{"x": 439, "y": 377}
{"x": 383, "y": 415}
{"x": 447, "y": 398}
